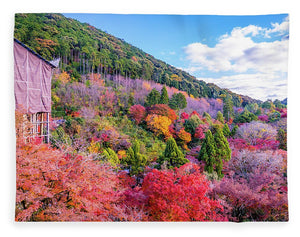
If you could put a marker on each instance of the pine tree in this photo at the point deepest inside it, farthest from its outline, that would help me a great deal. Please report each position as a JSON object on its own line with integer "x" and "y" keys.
{"x": 177, "y": 101}
{"x": 226, "y": 130}
{"x": 111, "y": 156}
{"x": 214, "y": 150}
{"x": 233, "y": 130}
{"x": 152, "y": 98}
{"x": 223, "y": 152}
{"x": 172, "y": 157}
{"x": 282, "y": 138}
{"x": 208, "y": 152}
{"x": 164, "y": 98}
{"x": 130, "y": 100}
{"x": 192, "y": 123}
{"x": 228, "y": 108}
{"x": 134, "y": 160}
{"x": 220, "y": 117}
{"x": 207, "y": 117}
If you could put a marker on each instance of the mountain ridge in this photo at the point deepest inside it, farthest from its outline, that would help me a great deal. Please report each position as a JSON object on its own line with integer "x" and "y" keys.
{"x": 83, "y": 49}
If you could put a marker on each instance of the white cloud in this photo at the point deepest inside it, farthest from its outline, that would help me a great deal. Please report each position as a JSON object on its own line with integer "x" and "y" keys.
{"x": 280, "y": 29}
{"x": 251, "y": 29}
{"x": 257, "y": 85}
{"x": 238, "y": 53}
{"x": 265, "y": 57}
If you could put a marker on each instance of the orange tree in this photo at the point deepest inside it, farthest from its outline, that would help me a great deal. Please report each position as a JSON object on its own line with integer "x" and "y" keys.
{"x": 159, "y": 125}
{"x": 163, "y": 110}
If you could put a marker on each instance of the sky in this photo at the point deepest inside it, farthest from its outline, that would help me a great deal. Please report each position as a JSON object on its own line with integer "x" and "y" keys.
{"x": 246, "y": 54}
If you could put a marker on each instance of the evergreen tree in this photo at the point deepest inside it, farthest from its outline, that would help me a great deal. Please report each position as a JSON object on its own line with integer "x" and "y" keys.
{"x": 152, "y": 98}
{"x": 223, "y": 152}
{"x": 226, "y": 130}
{"x": 192, "y": 123}
{"x": 165, "y": 79}
{"x": 130, "y": 100}
{"x": 220, "y": 117}
{"x": 177, "y": 101}
{"x": 111, "y": 156}
{"x": 208, "y": 152}
{"x": 214, "y": 150}
{"x": 277, "y": 104}
{"x": 134, "y": 160}
{"x": 245, "y": 117}
{"x": 228, "y": 108}
{"x": 282, "y": 138}
{"x": 233, "y": 130}
{"x": 172, "y": 157}
{"x": 164, "y": 98}
{"x": 206, "y": 115}
{"x": 267, "y": 104}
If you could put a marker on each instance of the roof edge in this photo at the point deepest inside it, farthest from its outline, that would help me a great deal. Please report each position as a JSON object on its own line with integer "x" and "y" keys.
{"x": 36, "y": 54}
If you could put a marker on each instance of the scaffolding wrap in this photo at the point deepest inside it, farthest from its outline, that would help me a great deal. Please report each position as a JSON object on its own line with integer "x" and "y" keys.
{"x": 32, "y": 80}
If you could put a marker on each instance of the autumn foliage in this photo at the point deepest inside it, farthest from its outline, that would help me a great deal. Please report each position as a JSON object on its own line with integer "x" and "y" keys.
{"x": 159, "y": 125}
{"x": 137, "y": 113}
{"x": 163, "y": 110}
{"x": 52, "y": 186}
{"x": 180, "y": 195}
{"x": 117, "y": 154}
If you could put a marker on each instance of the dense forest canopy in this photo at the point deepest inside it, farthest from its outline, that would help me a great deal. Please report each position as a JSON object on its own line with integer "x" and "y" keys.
{"x": 83, "y": 49}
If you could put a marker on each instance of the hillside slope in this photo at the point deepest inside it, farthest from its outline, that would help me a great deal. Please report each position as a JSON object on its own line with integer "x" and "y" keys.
{"x": 84, "y": 49}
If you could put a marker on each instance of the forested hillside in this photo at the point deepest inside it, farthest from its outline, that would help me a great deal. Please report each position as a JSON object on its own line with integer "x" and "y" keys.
{"x": 127, "y": 146}
{"x": 83, "y": 49}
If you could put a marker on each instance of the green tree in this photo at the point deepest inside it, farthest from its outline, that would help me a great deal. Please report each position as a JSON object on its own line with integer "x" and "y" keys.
{"x": 134, "y": 160}
{"x": 233, "y": 130}
{"x": 192, "y": 123}
{"x": 245, "y": 117}
{"x": 165, "y": 79}
{"x": 267, "y": 104}
{"x": 220, "y": 117}
{"x": 282, "y": 138}
{"x": 226, "y": 130}
{"x": 164, "y": 98}
{"x": 274, "y": 117}
{"x": 208, "y": 152}
{"x": 214, "y": 150}
{"x": 153, "y": 97}
{"x": 172, "y": 156}
{"x": 111, "y": 156}
{"x": 228, "y": 108}
{"x": 177, "y": 101}
{"x": 131, "y": 100}
{"x": 252, "y": 107}
{"x": 223, "y": 152}
{"x": 206, "y": 115}
{"x": 277, "y": 104}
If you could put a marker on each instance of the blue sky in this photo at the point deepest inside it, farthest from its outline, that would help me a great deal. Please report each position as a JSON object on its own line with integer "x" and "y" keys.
{"x": 246, "y": 54}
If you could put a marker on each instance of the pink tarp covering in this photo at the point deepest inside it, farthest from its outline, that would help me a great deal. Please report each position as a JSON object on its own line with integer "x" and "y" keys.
{"x": 32, "y": 81}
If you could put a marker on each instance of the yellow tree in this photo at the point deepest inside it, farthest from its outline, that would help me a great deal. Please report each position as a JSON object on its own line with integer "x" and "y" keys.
{"x": 159, "y": 125}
